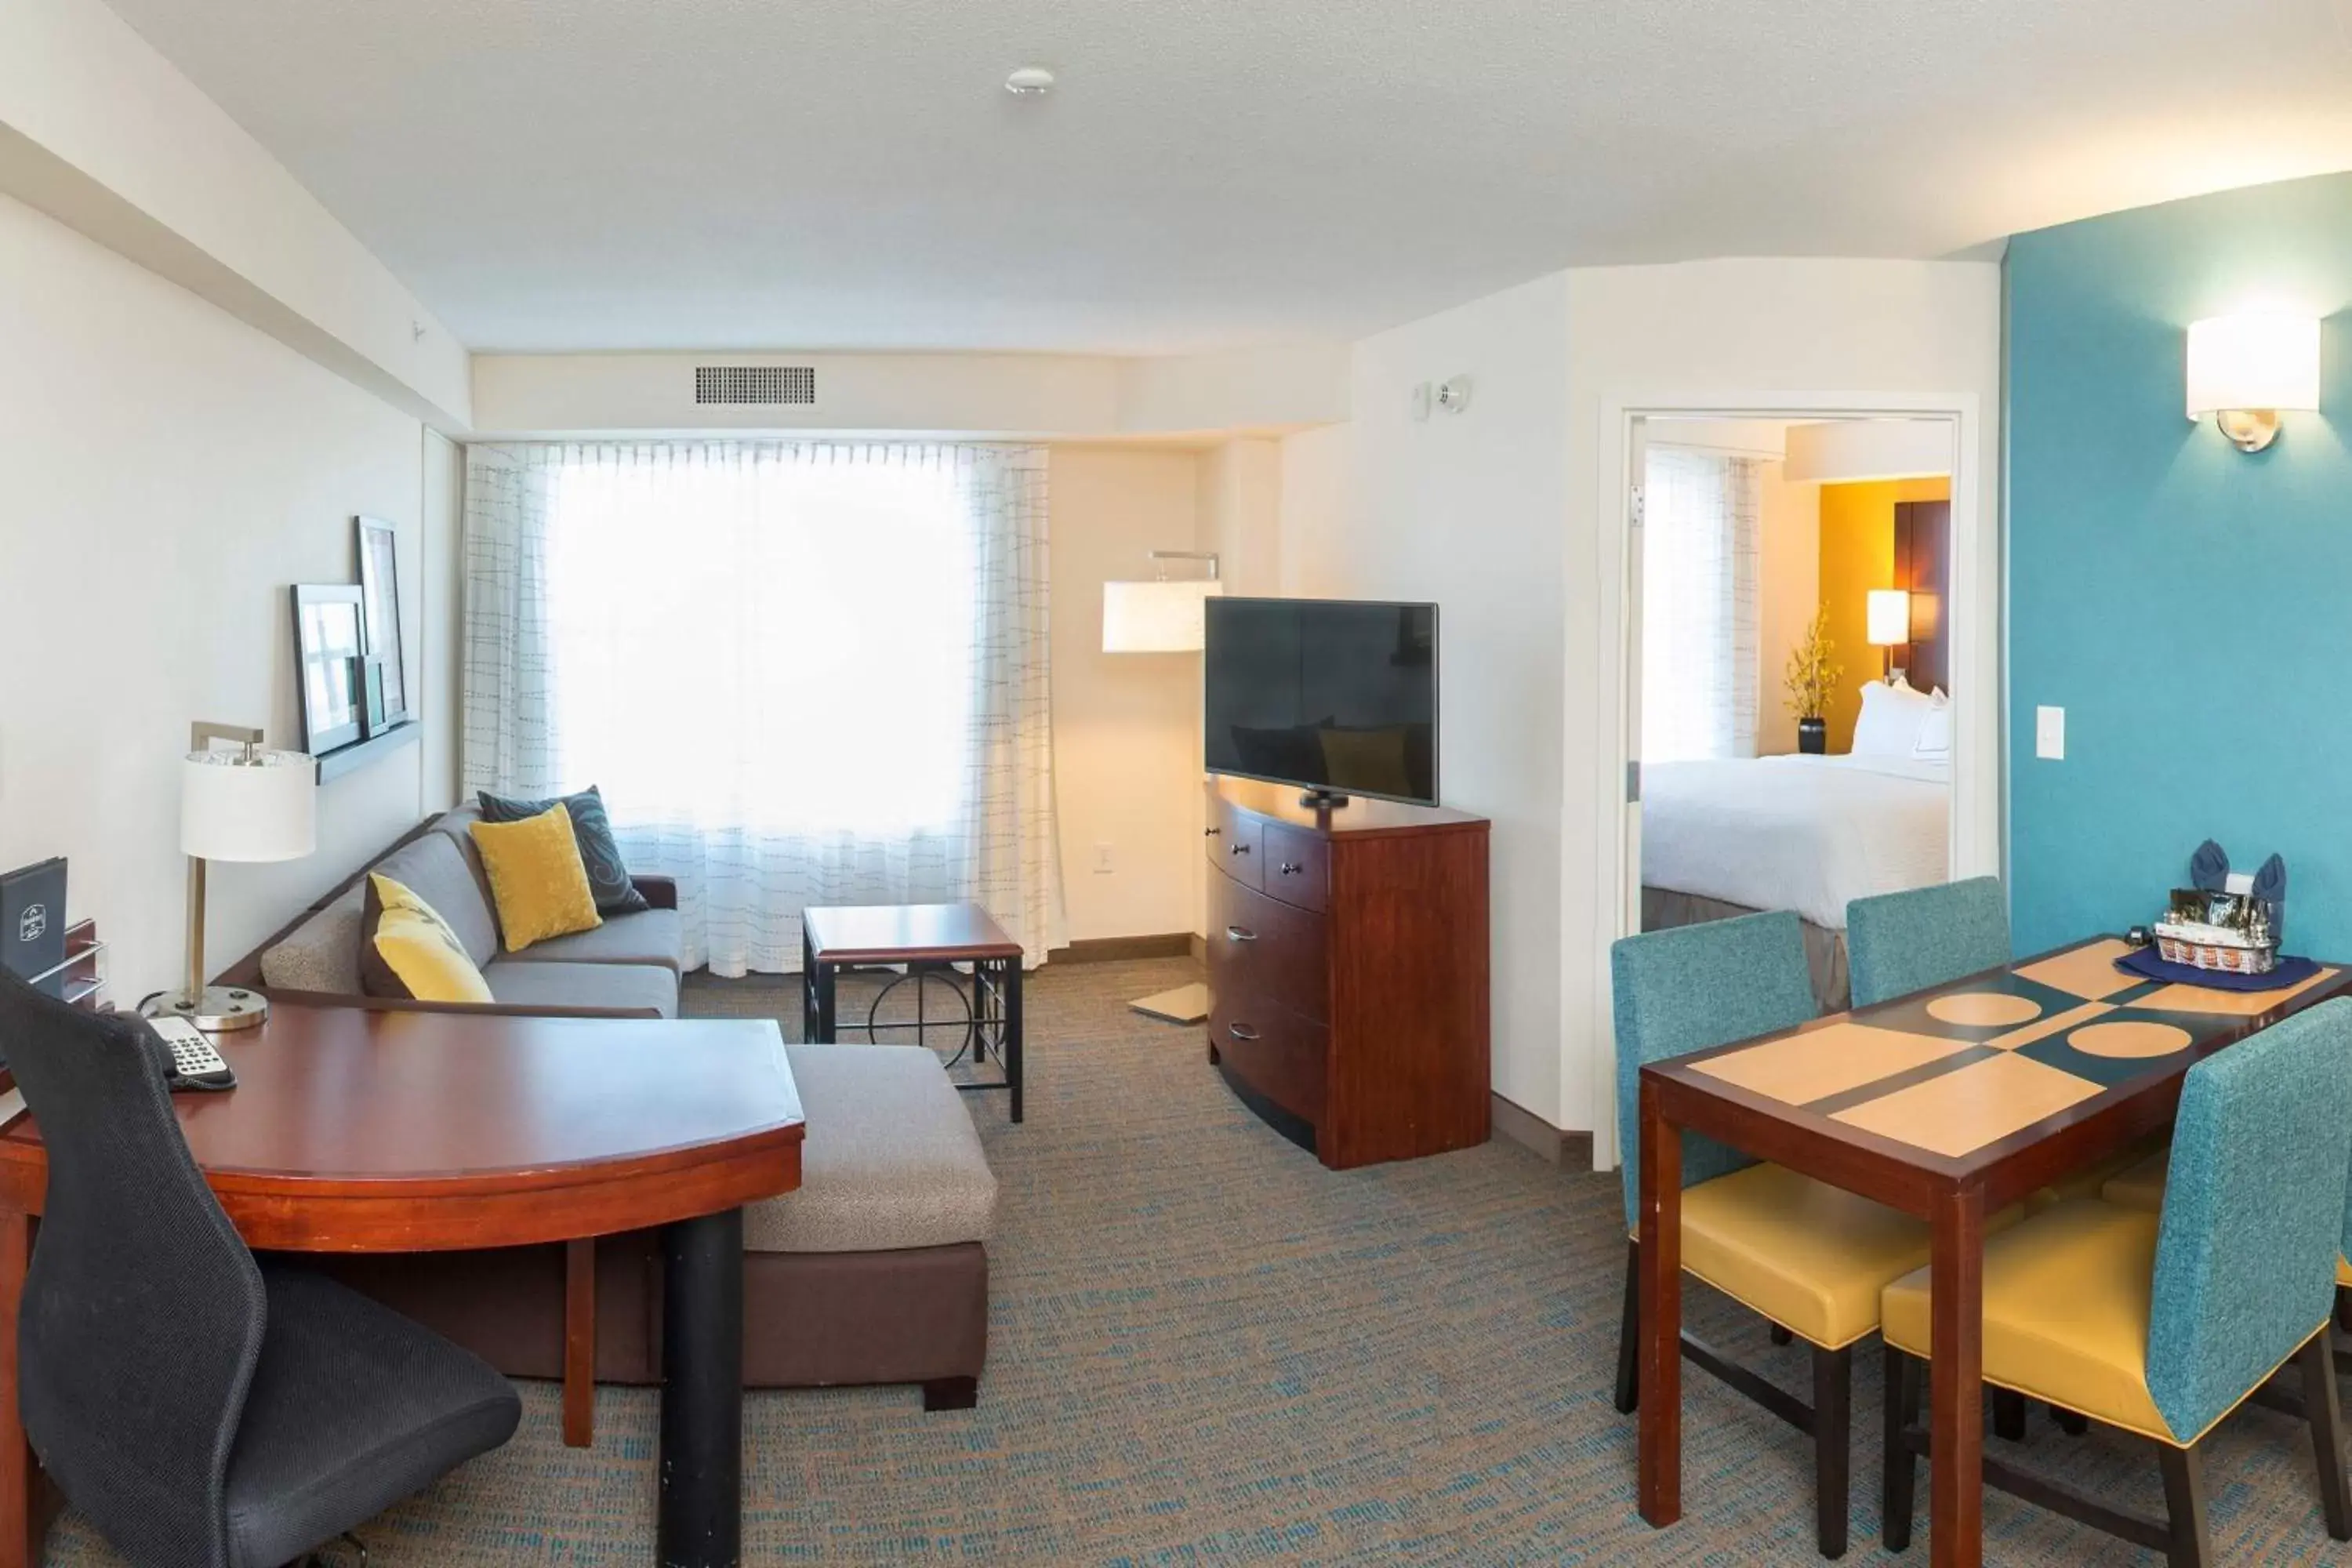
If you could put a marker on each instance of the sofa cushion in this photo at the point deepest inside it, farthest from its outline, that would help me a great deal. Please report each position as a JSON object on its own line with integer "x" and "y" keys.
{"x": 615, "y": 987}
{"x": 407, "y": 949}
{"x": 538, "y": 885}
{"x": 649, "y": 936}
{"x": 608, "y": 874}
{"x": 322, "y": 953}
{"x": 891, "y": 1160}
{"x": 430, "y": 867}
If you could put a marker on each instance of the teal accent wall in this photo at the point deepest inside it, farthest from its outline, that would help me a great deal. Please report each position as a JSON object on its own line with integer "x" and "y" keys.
{"x": 2188, "y": 605}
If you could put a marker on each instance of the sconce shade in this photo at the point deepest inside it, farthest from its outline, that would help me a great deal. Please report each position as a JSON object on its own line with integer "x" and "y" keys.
{"x": 1156, "y": 617}
{"x": 1888, "y": 620}
{"x": 237, "y": 811}
{"x": 2253, "y": 362}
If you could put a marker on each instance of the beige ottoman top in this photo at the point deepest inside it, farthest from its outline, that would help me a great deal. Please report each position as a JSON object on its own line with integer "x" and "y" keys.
{"x": 891, "y": 1159}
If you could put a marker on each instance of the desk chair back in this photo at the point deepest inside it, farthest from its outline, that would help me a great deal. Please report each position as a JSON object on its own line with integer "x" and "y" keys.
{"x": 143, "y": 1310}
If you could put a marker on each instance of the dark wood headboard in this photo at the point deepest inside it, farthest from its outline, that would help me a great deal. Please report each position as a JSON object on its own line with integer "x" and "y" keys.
{"x": 1922, "y": 556}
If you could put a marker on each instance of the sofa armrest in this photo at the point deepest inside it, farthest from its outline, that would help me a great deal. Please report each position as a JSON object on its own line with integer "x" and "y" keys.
{"x": 661, "y": 893}
{"x": 486, "y": 1009}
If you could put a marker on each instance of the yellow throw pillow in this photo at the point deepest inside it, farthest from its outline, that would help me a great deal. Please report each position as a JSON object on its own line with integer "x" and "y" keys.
{"x": 536, "y": 878}
{"x": 409, "y": 951}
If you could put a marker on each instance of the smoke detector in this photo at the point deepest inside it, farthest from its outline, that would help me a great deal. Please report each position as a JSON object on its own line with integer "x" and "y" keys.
{"x": 1030, "y": 81}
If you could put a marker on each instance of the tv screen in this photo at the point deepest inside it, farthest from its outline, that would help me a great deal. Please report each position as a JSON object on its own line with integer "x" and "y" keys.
{"x": 1327, "y": 694}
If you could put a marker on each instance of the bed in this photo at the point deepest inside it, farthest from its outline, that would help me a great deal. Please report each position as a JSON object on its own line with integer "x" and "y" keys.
{"x": 1730, "y": 836}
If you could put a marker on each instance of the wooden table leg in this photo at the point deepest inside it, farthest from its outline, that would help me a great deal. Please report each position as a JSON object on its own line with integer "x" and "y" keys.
{"x": 579, "y": 1342}
{"x": 1956, "y": 1377}
{"x": 1661, "y": 1314}
{"x": 20, "y": 1525}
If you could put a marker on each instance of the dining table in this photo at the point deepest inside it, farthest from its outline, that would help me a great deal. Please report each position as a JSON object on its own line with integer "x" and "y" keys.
{"x": 1949, "y": 1104}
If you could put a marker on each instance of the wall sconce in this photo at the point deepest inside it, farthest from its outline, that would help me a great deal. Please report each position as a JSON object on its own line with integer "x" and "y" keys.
{"x": 1886, "y": 623}
{"x": 2243, "y": 370}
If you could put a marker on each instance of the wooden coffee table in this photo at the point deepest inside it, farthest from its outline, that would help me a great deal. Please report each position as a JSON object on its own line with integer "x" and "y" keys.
{"x": 835, "y": 937}
{"x": 360, "y": 1130}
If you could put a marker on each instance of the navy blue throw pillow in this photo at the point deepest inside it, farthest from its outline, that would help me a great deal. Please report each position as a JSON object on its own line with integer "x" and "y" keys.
{"x": 608, "y": 879}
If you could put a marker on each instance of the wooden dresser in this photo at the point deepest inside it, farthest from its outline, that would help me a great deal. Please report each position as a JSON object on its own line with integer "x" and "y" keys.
{"x": 1347, "y": 971}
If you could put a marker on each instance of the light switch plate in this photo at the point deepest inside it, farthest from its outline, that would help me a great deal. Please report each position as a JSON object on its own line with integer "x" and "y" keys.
{"x": 2050, "y": 733}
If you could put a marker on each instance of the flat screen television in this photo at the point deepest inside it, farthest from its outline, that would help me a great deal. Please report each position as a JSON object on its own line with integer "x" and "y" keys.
{"x": 1336, "y": 695}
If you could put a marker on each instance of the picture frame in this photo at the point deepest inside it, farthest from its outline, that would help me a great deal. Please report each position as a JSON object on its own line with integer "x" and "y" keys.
{"x": 379, "y": 553}
{"x": 329, "y": 634}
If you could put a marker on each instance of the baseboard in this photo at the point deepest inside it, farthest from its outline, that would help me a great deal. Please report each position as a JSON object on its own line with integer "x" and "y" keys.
{"x": 1198, "y": 945}
{"x": 1122, "y": 949}
{"x": 1570, "y": 1150}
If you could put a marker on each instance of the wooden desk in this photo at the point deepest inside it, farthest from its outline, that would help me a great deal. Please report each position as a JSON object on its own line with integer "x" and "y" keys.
{"x": 1949, "y": 1104}
{"x": 360, "y": 1131}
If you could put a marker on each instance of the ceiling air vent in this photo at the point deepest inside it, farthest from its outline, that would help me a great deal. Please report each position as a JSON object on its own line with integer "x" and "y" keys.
{"x": 755, "y": 384}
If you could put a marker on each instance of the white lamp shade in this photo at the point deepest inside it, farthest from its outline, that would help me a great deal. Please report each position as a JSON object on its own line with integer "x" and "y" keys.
{"x": 233, "y": 810}
{"x": 1156, "y": 617}
{"x": 2253, "y": 362}
{"x": 1889, "y": 617}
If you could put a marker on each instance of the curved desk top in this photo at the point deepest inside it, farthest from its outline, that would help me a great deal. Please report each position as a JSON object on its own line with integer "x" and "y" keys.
{"x": 359, "y": 1130}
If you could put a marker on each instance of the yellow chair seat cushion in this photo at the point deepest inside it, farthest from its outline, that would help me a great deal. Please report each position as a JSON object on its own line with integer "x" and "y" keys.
{"x": 2066, "y": 1305}
{"x": 537, "y": 881}
{"x": 1810, "y": 1257}
{"x": 2142, "y": 1185}
{"x": 409, "y": 951}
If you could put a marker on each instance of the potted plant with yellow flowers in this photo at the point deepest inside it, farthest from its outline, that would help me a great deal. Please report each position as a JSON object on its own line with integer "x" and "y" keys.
{"x": 1811, "y": 682}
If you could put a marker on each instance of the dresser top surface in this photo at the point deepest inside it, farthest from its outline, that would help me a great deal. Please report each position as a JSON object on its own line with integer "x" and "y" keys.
{"x": 1360, "y": 817}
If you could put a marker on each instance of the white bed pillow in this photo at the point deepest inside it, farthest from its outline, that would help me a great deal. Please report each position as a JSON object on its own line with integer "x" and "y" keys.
{"x": 1892, "y": 718}
{"x": 1935, "y": 741}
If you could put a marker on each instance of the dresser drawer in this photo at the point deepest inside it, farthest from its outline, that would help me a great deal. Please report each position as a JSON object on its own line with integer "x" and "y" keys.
{"x": 1298, "y": 866}
{"x": 1234, "y": 845}
{"x": 1260, "y": 948}
{"x": 1276, "y": 1052}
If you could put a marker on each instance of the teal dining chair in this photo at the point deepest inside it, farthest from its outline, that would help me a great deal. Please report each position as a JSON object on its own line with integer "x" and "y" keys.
{"x": 2160, "y": 1324}
{"x": 1809, "y": 1257}
{"x": 1897, "y": 943}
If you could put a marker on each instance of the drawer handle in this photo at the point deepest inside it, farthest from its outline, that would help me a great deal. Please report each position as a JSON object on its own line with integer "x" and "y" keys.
{"x": 1241, "y": 848}
{"x": 1211, "y": 832}
{"x": 1240, "y": 934}
{"x": 1290, "y": 868}
{"x": 1241, "y": 1031}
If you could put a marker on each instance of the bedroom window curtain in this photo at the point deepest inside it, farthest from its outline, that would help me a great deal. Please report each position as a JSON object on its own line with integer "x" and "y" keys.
{"x": 1700, "y": 624}
{"x": 801, "y": 673}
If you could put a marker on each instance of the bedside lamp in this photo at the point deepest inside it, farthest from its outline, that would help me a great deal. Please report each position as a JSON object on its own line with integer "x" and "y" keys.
{"x": 249, "y": 806}
{"x": 1888, "y": 623}
{"x": 1161, "y": 616}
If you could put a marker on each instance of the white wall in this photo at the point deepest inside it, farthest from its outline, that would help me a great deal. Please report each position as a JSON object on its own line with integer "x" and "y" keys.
{"x": 1126, "y": 725}
{"x": 1789, "y": 595}
{"x": 101, "y": 131}
{"x": 443, "y": 592}
{"x": 1751, "y": 335}
{"x": 1469, "y": 510}
{"x": 171, "y": 472}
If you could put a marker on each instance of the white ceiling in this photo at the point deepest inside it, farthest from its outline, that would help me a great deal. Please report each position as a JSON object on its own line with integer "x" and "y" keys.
{"x": 556, "y": 174}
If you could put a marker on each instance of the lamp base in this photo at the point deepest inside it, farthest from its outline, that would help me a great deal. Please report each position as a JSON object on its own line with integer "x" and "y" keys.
{"x": 217, "y": 1009}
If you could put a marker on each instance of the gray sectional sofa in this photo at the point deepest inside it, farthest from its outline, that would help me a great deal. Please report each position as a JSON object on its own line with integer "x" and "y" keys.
{"x": 627, "y": 967}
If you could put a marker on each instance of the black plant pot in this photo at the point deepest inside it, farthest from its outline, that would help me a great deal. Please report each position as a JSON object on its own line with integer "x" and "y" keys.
{"x": 1813, "y": 737}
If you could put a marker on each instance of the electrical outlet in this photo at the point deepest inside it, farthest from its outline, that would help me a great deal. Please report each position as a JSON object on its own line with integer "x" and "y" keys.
{"x": 1104, "y": 863}
{"x": 2050, "y": 733}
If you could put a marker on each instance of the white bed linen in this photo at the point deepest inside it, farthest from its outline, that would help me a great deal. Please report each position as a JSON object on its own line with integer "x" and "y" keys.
{"x": 1795, "y": 833}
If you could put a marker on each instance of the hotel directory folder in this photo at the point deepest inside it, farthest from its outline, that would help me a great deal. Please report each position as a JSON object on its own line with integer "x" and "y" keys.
{"x": 32, "y": 924}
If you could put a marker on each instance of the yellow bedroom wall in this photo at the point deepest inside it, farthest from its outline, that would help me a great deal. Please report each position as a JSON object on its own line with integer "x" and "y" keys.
{"x": 1857, "y": 555}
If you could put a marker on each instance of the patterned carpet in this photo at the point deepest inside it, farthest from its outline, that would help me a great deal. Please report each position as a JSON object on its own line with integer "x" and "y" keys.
{"x": 1207, "y": 1349}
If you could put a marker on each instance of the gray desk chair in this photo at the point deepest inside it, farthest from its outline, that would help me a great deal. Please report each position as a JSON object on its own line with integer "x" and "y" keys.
{"x": 203, "y": 1410}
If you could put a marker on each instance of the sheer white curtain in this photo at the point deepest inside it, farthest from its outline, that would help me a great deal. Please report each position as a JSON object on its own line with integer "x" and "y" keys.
{"x": 1699, "y": 613}
{"x": 801, "y": 672}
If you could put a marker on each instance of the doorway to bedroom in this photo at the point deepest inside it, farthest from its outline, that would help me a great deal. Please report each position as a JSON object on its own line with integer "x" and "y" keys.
{"x": 1790, "y": 670}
